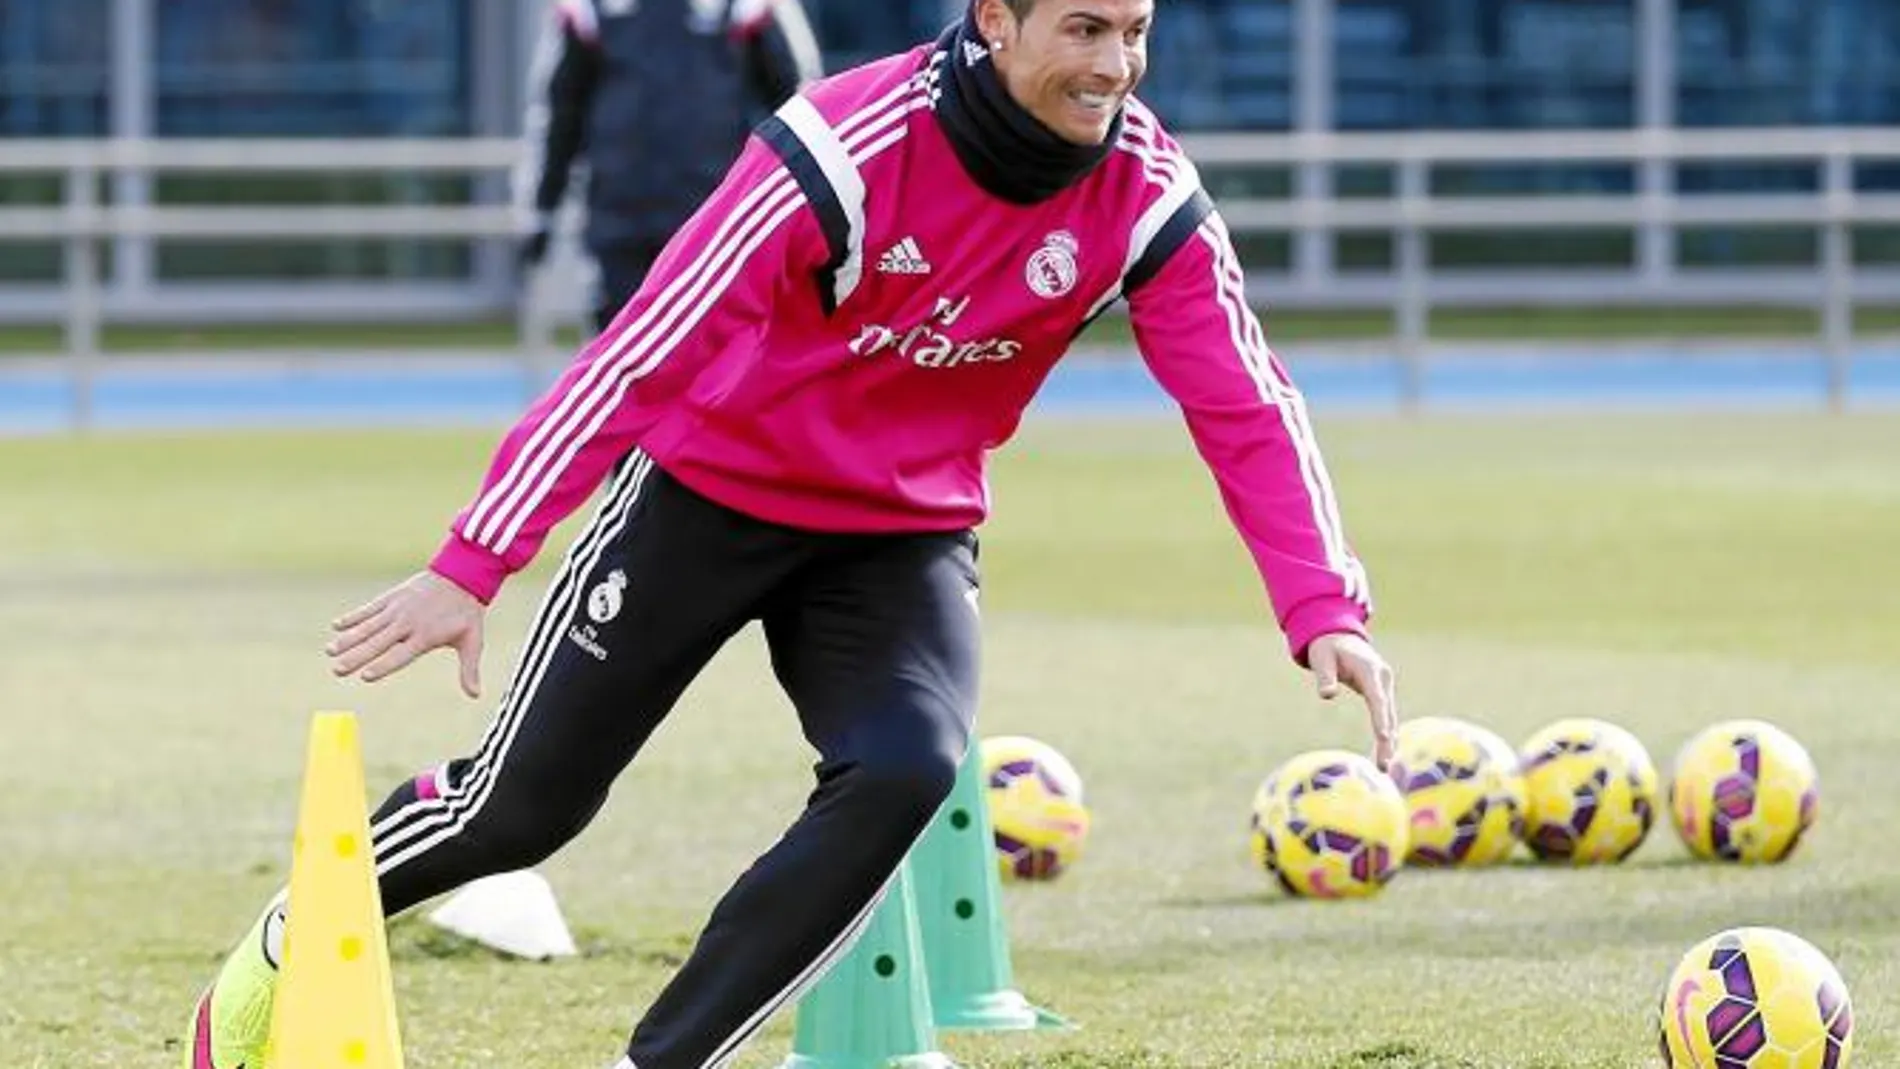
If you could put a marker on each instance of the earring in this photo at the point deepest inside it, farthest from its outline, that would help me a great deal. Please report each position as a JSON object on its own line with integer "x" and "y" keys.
{"x": 996, "y": 45}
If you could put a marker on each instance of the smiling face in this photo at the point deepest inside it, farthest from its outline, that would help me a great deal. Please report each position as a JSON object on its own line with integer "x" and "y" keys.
{"x": 1070, "y": 63}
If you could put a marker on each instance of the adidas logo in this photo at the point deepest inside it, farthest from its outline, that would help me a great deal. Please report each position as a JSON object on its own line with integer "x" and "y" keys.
{"x": 974, "y": 53}
{"x": 903, "y": 258}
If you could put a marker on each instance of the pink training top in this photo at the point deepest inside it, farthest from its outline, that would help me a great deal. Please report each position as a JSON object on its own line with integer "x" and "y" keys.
{"x": 847, "y": 327}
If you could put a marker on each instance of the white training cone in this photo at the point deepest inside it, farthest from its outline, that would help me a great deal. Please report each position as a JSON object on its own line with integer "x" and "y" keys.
{"x": 513, "y": 912}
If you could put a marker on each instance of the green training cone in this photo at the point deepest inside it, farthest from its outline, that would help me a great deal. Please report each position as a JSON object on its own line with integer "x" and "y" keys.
{"x": 872, "y": 1010}
{"x": 960, "y": 912}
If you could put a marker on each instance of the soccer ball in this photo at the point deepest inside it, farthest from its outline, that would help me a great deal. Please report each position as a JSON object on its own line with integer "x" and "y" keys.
{"x": 1329, "y": 824}
{"x": 1755, "y": 998}
{"x": 1261, "y": 817}
{"x": 1743, "y": 790}
{"x": 1035, "y": 805}
{"x": 1462, "y": 785}
{"x": 1592, "y": 791}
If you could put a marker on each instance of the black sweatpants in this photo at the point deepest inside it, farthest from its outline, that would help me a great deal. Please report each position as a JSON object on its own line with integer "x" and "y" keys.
{"x": 874, "y": 638}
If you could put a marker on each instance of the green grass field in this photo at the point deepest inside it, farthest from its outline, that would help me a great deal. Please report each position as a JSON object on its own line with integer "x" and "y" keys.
{"x": 164, "y": 599}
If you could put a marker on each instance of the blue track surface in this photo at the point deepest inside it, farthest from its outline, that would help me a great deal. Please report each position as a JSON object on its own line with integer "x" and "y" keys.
{"x": 409, "y": 392}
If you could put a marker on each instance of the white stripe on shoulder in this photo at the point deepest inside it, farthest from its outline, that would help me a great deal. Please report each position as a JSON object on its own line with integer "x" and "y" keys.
{"x": 1143, "y": 135}
{"x": 1138, "y": 115}
{"x": 871, "y": 131}
{"x": 877, "y": 109}
{"x": 873, "y": 126}
{"x": 1159, "y": 163}
{"x": 1175, "y": 192}
{"x": 1179, "y": 180}
{"x": 841, "y": 174}
{"x": 1186, "y": 183}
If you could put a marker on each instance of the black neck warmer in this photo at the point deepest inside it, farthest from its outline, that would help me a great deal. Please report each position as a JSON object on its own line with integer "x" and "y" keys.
{"x": 1008, "y": 151}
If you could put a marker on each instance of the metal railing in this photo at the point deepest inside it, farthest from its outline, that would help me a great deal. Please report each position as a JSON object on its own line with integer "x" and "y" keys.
{"x": 1411, "y": 289}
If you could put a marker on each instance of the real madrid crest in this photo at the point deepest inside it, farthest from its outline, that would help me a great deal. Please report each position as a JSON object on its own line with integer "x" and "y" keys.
{"x": 603, "y": 602}
{"x": 1052, "y": 269}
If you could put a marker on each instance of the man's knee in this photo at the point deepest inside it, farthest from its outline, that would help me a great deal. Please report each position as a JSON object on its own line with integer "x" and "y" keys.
{"x": 911, "y": 776}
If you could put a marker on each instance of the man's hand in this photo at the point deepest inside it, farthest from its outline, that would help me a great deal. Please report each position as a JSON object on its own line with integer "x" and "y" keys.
{"x": 1347, "y": 658}
{"x": 426, "y": 612}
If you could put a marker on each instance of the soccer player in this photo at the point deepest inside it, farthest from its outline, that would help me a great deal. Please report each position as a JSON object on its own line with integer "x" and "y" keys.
{"x": 658, "y": 97}
{"x": 792, "y": 417}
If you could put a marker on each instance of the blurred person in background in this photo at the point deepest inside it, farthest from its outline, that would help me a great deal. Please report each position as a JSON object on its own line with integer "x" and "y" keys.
{"x": 657, "y": 96}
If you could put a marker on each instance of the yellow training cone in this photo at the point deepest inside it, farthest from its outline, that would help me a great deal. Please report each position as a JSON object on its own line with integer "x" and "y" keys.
{"x": 334, "y": 1007}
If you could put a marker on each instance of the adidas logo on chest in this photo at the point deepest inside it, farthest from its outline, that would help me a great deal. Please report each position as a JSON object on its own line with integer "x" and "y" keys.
{"x": 903, "y": 258}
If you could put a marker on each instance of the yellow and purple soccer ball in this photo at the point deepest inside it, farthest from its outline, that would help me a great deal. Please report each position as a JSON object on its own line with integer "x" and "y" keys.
{"x": 1592, "y": 792}
{"x": 1261, "y": 816}
{"x": 1755, "y": 998}
{"x": 1034, "y": 798}
{"x": 1743, "y": 791}
{"x": 1329, "y": 824}
{"x": 1465, "y": 794}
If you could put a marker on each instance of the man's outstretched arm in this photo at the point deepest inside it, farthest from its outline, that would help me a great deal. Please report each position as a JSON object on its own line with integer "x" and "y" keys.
{"x": 1249, "y": 422}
